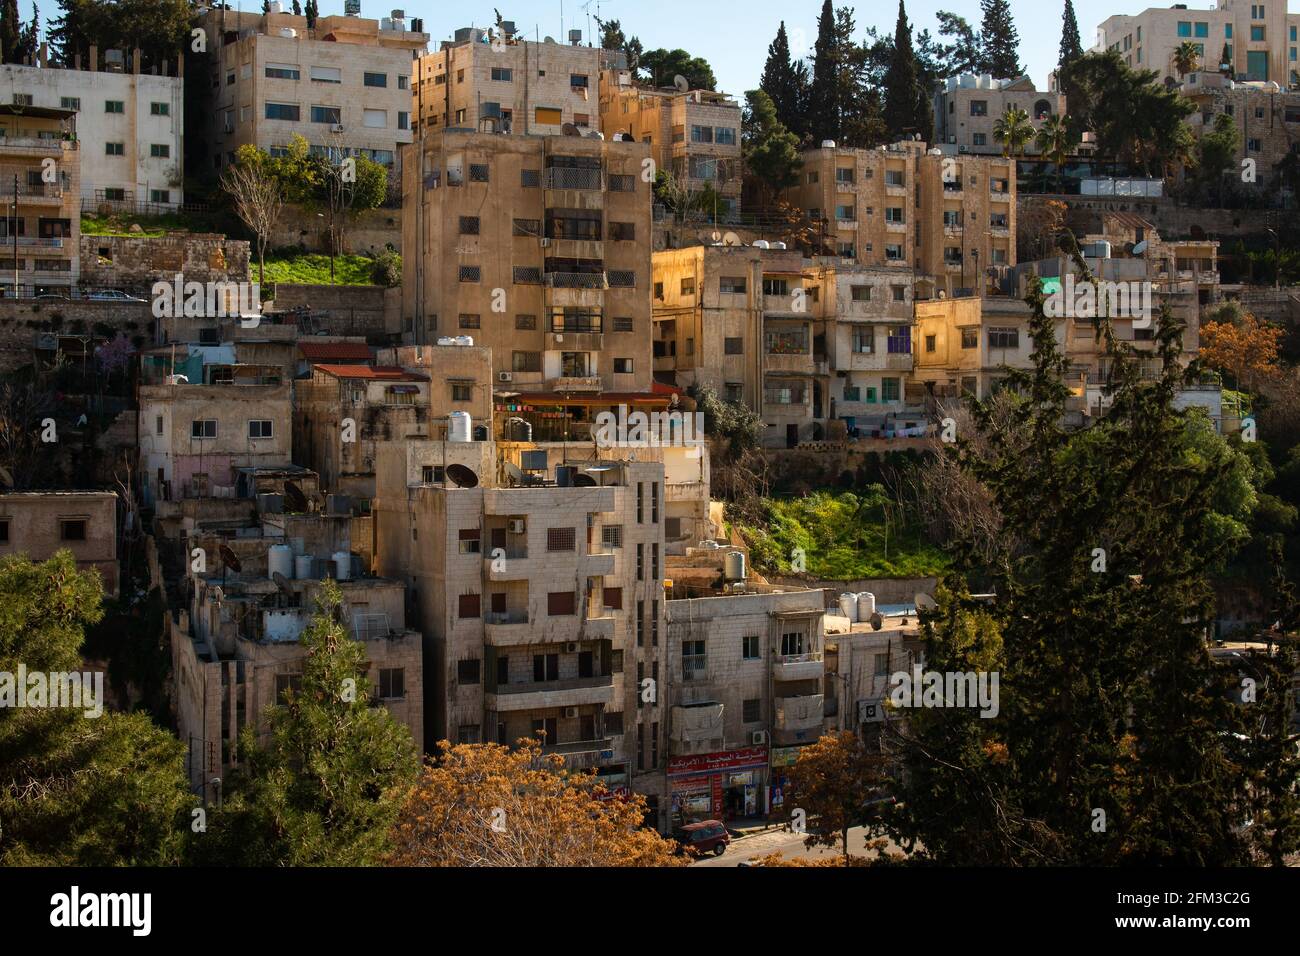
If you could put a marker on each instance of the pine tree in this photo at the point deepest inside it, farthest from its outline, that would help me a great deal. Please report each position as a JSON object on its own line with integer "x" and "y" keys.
{"x": 1071, "y": 47}
{"x": 903, "y": 94}
{"x": 999, "y": 40}
{"x": 297, "y": 8}
{"x": 784, "y": 83}
{"x": 10, "y": 30}
{"x": 823, "y": 94}
{"x": 312, "y": 12}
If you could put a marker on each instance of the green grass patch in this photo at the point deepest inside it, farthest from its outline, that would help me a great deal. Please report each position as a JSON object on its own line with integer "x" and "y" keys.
{"x": 151, "y": 226}
{"x": 315, "y": 269}
{"x": 843, "y": 536}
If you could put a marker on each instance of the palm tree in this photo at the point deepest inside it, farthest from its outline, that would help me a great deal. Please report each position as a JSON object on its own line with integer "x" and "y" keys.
{"x": 1186, "y": 58}
{"x": 1014, "y": 131}
{"x": 1055, "y": 140}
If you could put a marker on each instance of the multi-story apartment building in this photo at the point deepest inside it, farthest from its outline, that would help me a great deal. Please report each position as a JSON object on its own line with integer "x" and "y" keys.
{"x": 968, "y": 343}
{"x": 1267, "y": 122}
{"x": 1259, "y": 39}
{"x": 40, "y": 161}
{"x": 127, "y": 123}
{"x": 694, "y": 134}
{"x": 752, "y": 323}
{"x": 39, "y": 523}
{"x": 745, "y": 690}
{"x": 901, "y": 207}
{"x": 967, "y": 107}
{"x": 541, "y": 604}
{"x": 537, "y": 247}
{"x": 344, "y": 85}
{"x": 870, "y": 346}
{"x": 507, "y": 84}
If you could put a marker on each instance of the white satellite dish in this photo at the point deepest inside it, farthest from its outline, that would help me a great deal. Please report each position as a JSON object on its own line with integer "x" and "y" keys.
{"x": 681, "y": 83}
{"x": 716, "y": 237}
{"x": 924, "y": 602}
{"x": 731, "y": 239}
{"x": 1140, "y": 248}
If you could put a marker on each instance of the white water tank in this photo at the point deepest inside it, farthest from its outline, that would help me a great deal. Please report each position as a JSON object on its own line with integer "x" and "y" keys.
{"x": 459, "y": 426}
{"x": 734, "y": 566}
{"x": 828, "y": 144}
{"x": 279, "y": 558}
{"x": 302, "y": 567}
{"x": 342, "y": 565}
{"x": 866, "y": 605}
{"x": 447, "y": 340}
{"x": 465, "y": 341}
{"x": 849, "y": 606}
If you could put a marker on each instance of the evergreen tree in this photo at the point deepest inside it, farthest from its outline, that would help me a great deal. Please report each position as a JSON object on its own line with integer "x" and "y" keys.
{"x": 784, "y": 83}
{"x": 823, "y": 94}
{"x": 312, "y": 12}
{"x": 10, "y": 30}
{"x": 297, "y": 8}
{"x": 999, "y": 41}
{"x": 903, "y": 94}
{"x": 771, "y": 151}
{"x": 1071, "y": 47}
{"x": 326, "y": 788}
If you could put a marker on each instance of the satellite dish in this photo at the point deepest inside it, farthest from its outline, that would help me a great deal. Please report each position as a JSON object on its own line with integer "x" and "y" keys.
{"x": 1140, "y": 248}
{"x": 681, "y": 83}
{"x": 924, "y": 602}
{"x": 294, "y": 499}
{"x": 280, "y": 581}
{"x": 230, "y": 559}
{"x": 568, "y": 129}
{"x": 877, "y": 622}
{"x": 716, "y": 237}
{"x": 462, "y": 477}
{"x": 513, "y": 474}
{"x": 731, "y": 239}
{"x": 584, "y": 481}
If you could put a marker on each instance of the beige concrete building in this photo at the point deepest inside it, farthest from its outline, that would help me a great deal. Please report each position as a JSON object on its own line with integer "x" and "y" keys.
{"x": 344, "y": 85}
{"x": 967, "y": 107}
{"x": 1260, "y": 39}
{"x": 39, "y": 523}
{"x": 39, "y": 151}
{"x": 694, "y": 134}
{"x": 1267, "y": 122}
{"x": 541, "y": 605}
{"x": 871, "y": 348}
{"x": 536, "y": 247}
{"x": 966, "y": 344}
{"x": 507, "y": 84}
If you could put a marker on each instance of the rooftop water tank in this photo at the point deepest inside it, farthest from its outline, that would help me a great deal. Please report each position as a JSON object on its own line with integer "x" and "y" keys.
{"x": 342, "y": 565}
{"x": 279, "y": 558}
{"x": 302, "y": 567}
{"x": 465, "y": 340}
{"x": 459, "y": 426}
{"x": 828, "y": 144}
{"x": 733, "y": 566}
{"x": 866, "y": 605}
{"x": 849, "y": 606}
{"x": 446, "y": 340}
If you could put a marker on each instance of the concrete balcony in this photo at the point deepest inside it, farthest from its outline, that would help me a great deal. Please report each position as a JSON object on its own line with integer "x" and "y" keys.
{"x": 845, "y": 187}
{"x": 798, "y": 666}
{"x": 566, "y": 179}
{"x": 559, "y": 340}
{"x": 598, "y": 563}
{"x": 583, "y": 754}
{"x": 511, "y": 628}
{"x": 896, "y": 227}
{"x": 577, "y": 248}
{"x": 773, "y": 362}
{"x": 999, "y": 195}
{"x": 849, "y": 224}
{"x": 513, "y": 502}
{"x": 515, "y": 567}
{"x": 576, "y": 280}
{"x": 895, "y": 190}
{"x": 561, "y": 296}
{"x": 799, "y": 715}
{"x": 575, "y": 383}
{"x": 537, "y": 695}
{"x": 696, "y": 729}
{"x": 598, "y": 628}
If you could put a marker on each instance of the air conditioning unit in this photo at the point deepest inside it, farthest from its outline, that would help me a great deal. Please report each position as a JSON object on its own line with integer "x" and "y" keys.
{"x": 505, "y": 377}
{"x": 571, "y": 647}
{"x": 758, "y": 737}
{"x": 546, "y": 243}
{"x": 570, "y": 712}
{"x": 516, "y": 526}
{"x": 336, "y": 128}
{"x": 963, "y": 148}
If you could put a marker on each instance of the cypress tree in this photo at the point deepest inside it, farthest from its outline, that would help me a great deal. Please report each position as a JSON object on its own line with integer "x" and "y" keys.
{"x": 823, "y": 95}
{"x": 1071, "y": 47}
{"x": 782, "y": 82}
{"x": 903, "y": 93}
{"x": 999, "y": 40}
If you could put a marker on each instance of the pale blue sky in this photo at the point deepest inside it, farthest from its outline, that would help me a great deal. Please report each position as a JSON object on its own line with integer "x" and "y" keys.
{"x": 733, "y": 37}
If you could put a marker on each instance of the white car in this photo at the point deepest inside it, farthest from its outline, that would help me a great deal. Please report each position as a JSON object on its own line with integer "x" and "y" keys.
{"x": 112, "y": 295}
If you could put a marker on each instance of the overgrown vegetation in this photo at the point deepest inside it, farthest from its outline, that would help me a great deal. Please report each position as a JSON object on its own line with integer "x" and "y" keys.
{"x": 314, "y": 269}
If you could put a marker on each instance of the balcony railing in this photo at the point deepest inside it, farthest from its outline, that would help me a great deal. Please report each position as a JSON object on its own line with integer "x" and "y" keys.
{"x": 559, "y": 177}
{"x": 506, "y": 617}
{"x": 577, "y": 280}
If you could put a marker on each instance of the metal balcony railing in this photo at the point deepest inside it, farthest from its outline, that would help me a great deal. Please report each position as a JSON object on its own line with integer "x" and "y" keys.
{"x": 560, "y": 177}
{"x": 577, "y": 280}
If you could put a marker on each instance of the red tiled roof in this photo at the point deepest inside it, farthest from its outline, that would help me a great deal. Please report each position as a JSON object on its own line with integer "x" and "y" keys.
{"x": 388, "y": 373}
{"x": 335, "y": 351}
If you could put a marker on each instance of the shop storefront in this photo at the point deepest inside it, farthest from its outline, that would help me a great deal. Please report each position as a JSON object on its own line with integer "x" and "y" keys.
{"x": 783, "y": 758}
{"x": 727, "y": 785}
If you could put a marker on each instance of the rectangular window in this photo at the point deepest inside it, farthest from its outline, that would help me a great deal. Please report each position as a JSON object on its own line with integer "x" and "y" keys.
{"x": 611, "y": 536}
{"x": 751, "y": 710}
{"x": 160, "y": 150}
{"x": 468, "y": 321}
{"x": 623, "y": 323}
{"x": 1004, "y": 338}
{"x": 560, "y": 603}
{"x": 970, "y": 338}
{"x": 159, "y": 109}
{"x": 282, "y": 71}
{"x": 470, "y": 273}
{"x": 864, "y": 339}
{"x": 467, "y": 672}
{"x": 561, "y": 539}
{"x": 478, "y": 172}
{"x": 70, "y": 102}
{"x": 613, "y": 598}
{"x": 622, "y": 231}
{"x": 526, "y": 361}
{"x": 114, "y": 106}
{"x": 979, "y": 107}
{"x": 889, "y": 391}
{"x": 203, "y": 428}
{"x": 733, "y": 346}
{"x": 749, "y": 648}
{"x": 688, "y": 287}
{"x": 392, "y": 683}
{"x": 548, "y": 116}
{"x": 114, "y": 149}
{"x": 900, "y": 340}
{"x": 72, "y": 529}
{"x": 623, "y": 366}
{"x": 693, "y": 660}
{"x": 375, "y": 79}
{"x": 261, "y": 428}
{"x": 326, "y": 74}
{"x": 374, "y": 119}
{"x": 468, "y": 606}
{"x": 283, "y": 111}
{"x": 326, "y": 114}
{"x": 469, "y": 225}
{"x": 1184, "y": 28}
{"x": 462, "y": 391}
{"x": 1257, "y": 34}
{"x": 731, "y": 285}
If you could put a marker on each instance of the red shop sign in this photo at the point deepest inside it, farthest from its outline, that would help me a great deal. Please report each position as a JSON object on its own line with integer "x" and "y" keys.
{"x": 723, "y": 760}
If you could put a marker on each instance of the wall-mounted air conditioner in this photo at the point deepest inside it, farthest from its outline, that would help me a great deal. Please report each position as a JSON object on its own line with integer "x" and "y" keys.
{"x": 758, "y": 737}
{"x": 505, "y": 377}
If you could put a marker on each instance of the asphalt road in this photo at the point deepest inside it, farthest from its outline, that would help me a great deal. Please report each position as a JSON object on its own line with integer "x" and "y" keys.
{"x": 788, "y": 844}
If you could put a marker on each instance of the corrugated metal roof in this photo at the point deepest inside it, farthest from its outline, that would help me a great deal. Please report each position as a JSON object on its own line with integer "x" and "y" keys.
{"x": 387, "y": 373}
{"x": 334, "y": 351}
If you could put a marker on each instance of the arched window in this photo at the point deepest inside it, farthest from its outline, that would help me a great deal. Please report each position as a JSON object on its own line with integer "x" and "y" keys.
{"x": 1042, "y": 109}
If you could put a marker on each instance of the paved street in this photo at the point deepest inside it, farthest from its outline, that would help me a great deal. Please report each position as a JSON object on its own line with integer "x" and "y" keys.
{"x": 788, "y": 844}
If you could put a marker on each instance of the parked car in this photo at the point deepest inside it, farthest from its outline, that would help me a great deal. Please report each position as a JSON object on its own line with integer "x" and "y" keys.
{"x": 112, "y": 295}
{"x": 707, "y": 836}
{"x": 52, "y": 295}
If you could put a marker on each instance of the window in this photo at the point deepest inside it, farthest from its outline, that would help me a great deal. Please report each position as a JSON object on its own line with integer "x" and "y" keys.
{"x": 478, "y": 172}
{"x": 114, "y": 106}
{"x": 526, "y": 361}
{"x": 160, "y": 150}
{"x": 889, "y": 391}
{"x": 326, "y": 74}
{"x": 468, "y": 321}
{"x": 688, "y": 286}
{"x": 693, "y": 660}
{"x": 203, "y": 428}
{"x": 467, "y": 671}
{"x": 1004, "y": 338}
{"x": 613, "y": 598}
{"x": 1184, "y": 28}
{"x": 160, "y": 195}
{"x": 733, "y": 346}
{"x": 864, "y": 339}
{"x": 469, "y": 225}
{"x": 261, "y": 428}
{"x": 374, "y": 119}
{"x": 611, "y": 536}
{"x": 546, "y": 667}
{"x": 114, "y": 149}
{"x": 844, "y": 213}
{"x": 623, "y": 323}
{"x": 560, "y": 539}
{"x": 622, "y": 183}
{"x": 462, "y": 391}
{"x": 470, "y": 273}
{"x": 283, "y": 111}
{"x": 375, "y": 79}
{"x": 894, "y": 177}
{"x": 724, "y": 136}
{"x": 731, "y": 284}
{"x": 392, "y": 683}
{"x": 622, "y": 231}
{"x": 326, "y": 114}
{"x": 894, "y": 214}
{"x": 468, "y": 606}
{"x": 577, "y": 81}
{"x": 71, "y": 529}
{"x": 775, "y": 286}
{"x": 749, "y": 648}
{"x": 751, "y": 710}
{"x": 548, "y": 116}
{"x": 930, "y": 343}
{"x": 159, "y": 109}
{"x": 282, "y": 71}
{"x": 74, "y": 102}
{"x": 1254, "y": 145}
{"x": 970, "y": 338}
{"x": 1256, "y": 34}
{"x": 842, "y": 175}
{"x": 980, "y": 139}
{"x": 284, "y": 683}
{"x": 560, "y": 603}
{"x": 979, "y": 107}
{"x": 622, "y": 366}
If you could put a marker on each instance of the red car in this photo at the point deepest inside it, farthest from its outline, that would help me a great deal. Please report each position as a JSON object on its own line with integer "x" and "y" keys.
{"x": 707, "y": 836}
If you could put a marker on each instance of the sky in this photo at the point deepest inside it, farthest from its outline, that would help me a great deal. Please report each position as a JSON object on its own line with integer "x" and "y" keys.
{"x": 733, "y": 36}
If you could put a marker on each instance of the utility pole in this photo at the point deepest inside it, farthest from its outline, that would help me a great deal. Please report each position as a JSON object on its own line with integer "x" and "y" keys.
{"x": 13, "y": 228}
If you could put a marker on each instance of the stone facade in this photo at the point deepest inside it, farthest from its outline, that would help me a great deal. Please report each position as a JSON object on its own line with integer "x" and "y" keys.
{"x": 39, "y": 523}
{"x": 139, "y": 261}
{"x": 967, "y": 107}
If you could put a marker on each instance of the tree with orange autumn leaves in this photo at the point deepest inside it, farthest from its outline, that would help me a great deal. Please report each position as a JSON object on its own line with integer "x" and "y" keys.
{"x": 1241, "y": 345}
{"x": 835, "y": 783}
{"x": 491, "y": 805}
